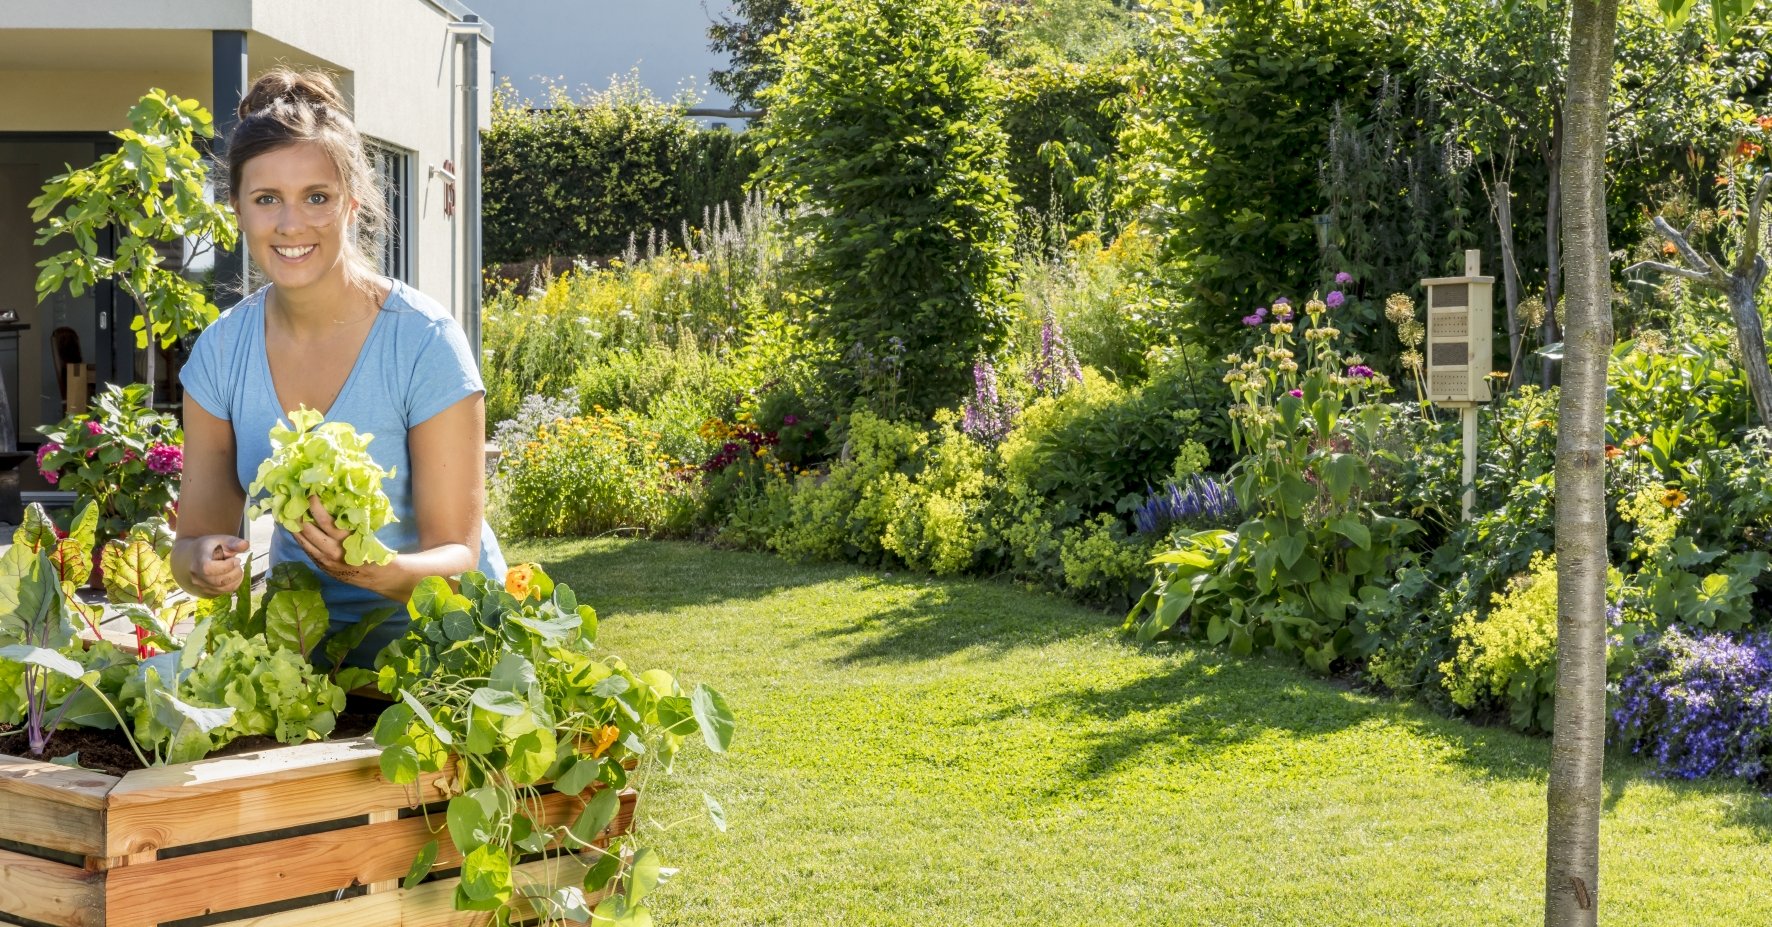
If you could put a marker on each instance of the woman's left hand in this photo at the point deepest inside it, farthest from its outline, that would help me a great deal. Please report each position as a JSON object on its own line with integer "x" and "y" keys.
{"x": 324, "y": 542}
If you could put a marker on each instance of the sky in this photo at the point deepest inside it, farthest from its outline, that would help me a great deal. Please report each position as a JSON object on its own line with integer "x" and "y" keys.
{"x": 588, "y": 41}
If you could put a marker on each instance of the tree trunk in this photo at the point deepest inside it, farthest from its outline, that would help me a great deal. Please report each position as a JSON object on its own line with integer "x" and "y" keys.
{"x": 1510, "y": 277}
{"x": 1553, "y": 233}
{"x": 1578, "y": 743}
{"x": 152, "y": 350}
{"x": 1750, "y": 332}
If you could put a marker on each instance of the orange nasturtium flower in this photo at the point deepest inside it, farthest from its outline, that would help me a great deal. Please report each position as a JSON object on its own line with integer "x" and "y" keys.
{"x": 604, "y": 739}
{"x": 520, "y": 580}
{"x": 1672, "y": 498}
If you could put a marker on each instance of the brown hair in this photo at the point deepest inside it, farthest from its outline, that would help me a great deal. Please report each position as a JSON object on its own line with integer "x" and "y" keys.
{"x": 286, "y": 107}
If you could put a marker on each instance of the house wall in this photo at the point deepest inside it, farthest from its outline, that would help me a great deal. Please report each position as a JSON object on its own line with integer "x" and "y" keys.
{"x": 78, "y": 65}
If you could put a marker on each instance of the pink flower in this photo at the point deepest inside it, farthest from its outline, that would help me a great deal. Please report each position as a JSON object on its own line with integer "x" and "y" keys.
{"x": 790, "y": 420}
{"x": 1296, "y": 394}
{"x": 166, "y": 459}
{"x": 1334, "y": 300}
{"x": 47, "y": 449}
{"x": 94, "y": 428}
{"x": 128, "y": 455}
{"x": 1344, "y": 278}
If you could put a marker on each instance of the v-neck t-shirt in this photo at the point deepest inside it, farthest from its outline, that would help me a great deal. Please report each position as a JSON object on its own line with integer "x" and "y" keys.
{"x": 414, "y": 363}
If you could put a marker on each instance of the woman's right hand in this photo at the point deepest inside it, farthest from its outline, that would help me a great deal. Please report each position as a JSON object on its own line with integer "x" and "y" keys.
{"x": 212, "y": 564}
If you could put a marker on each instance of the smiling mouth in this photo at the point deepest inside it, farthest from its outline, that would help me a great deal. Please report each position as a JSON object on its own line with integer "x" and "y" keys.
{"x": 294, "y": 252}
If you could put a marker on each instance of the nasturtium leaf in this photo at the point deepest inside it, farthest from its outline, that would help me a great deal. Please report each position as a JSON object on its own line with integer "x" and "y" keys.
{"x": 598, "y": 813}
{"x": 470, "y": 818}
{"x": 486, "y": 875}
{"x": 424, "y": 716}
{"x": 602, "y": 872}
{"x": 715, "y": 812}
{"x": 643, "y": 875}
{"x": 581, "y": 775}
{"x": 531, "y": 754}
{"x": 715, "y": 717}
{"x": 513, "y": 673}
{"x": 421, "y": 866}
{"x": 498, "y": 701}
{"x": 610, "y": 686}
{"x": 676, "y": 713}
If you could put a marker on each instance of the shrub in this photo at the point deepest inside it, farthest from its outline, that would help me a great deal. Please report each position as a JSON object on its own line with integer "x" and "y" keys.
{"x": 1509, "y": 657}
{"x": 576, "y": 177}
{"x": 1101, "y": 297}
{"x": 1234, "y": 107}
{"x": 937, "y": 525}
{"x": 584, "y": 475}
{"x": 1700, "y": 704}
{"x": 845, "y": 514}
{"x": 881, "y": 128}
{"x": 120, "y": 455}
{"x": 1063, "y": 126}
{"x": 1102, "y": 563}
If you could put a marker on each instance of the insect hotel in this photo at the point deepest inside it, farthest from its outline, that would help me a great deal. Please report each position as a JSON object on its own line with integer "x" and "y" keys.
{"x": 1460, "y": 345}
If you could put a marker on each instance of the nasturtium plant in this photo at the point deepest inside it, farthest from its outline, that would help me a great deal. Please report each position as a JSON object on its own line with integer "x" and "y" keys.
{"x": 507, "y": 681}
{"x": 331, "y": 461}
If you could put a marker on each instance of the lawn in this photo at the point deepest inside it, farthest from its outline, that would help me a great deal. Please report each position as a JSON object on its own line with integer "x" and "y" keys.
{"x": 918, "y": 751}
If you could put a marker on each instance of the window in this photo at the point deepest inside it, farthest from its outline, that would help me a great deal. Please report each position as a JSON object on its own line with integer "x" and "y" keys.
{"x": 393, "y": 169}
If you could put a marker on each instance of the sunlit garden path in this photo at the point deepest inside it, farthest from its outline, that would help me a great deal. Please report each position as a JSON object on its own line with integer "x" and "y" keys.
{"x": 914, "y": 751}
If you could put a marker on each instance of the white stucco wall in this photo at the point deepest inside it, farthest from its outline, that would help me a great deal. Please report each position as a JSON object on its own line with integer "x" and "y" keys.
{"x": 78, "y": 65}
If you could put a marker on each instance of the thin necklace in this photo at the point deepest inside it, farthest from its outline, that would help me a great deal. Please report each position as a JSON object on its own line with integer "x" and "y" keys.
{"x": 374, "y": 306}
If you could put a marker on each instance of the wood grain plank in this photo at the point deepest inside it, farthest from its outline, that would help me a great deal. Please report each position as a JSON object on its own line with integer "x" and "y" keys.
{"x": 53, "y": 806}
{"x": 427, "y": 905}
{"x": 50, "y": 892}
{"x": 255, "y": 793}
{"x": 276, "y": 870}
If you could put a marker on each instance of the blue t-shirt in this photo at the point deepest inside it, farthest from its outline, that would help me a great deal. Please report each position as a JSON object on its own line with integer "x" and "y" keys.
{"x": 414, "y": 364}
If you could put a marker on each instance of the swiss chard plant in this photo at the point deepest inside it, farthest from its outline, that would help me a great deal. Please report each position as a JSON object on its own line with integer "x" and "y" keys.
{"x": 507, "y": 682}
{"x": 1288, "y": 577}
{"x": 38, "y": 609}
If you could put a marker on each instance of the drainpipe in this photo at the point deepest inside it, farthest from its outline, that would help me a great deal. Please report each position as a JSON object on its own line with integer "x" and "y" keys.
{"x": 468, "y": 32}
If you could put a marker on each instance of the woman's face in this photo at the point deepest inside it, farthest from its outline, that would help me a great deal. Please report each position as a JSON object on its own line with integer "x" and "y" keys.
{"x": 295, "y": 215}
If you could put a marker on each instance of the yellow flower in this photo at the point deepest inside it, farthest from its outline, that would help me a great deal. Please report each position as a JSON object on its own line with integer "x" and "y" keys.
{"x": 1672, "y": 499}
{"x": 603, "y": 739}
{"x": 520, "y": 580}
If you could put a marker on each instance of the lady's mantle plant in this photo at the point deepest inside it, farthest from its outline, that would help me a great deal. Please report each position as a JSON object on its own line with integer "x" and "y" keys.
{"x": 507, "y": 681}
{"x": 120, "y": 455}
{"x": 1303, "y": 417}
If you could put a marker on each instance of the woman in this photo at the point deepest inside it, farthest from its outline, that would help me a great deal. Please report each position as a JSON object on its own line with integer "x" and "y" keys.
{"x": 332, "y": 334}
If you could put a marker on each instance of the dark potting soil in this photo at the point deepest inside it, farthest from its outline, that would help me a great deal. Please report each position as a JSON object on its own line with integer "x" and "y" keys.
{"x": 108, "y": 752}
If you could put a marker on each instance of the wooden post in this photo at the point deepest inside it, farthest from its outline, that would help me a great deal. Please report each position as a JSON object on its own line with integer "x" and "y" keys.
{"x": 1468, "y": 415}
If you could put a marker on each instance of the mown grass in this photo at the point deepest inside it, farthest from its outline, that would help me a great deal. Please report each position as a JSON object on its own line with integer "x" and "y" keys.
{"x": 916, "y": 751}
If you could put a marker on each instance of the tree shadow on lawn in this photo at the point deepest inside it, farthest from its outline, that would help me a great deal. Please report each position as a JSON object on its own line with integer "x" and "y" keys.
{"x": 619, "y": 575}
{"x": 1206, "y": 704}
{"x": 947, "y": 617}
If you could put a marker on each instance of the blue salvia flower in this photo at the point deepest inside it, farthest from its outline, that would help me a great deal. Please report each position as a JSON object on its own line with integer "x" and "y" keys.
{"x": 1204, "y": 502}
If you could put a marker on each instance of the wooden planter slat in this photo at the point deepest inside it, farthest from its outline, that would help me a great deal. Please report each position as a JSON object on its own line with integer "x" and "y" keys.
{"x": 429, "y": 905}
{"x": 172, "y": 806}
{"x": 144, "y": 847}
{"x": 50, "y": 892}
{"x": 52, "y": 806}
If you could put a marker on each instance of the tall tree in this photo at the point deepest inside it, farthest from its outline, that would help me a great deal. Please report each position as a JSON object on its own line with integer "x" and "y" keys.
{"x": 742, "y": 36}
{"x": 1572, "y": 846}
{"x": 1578, "y": 745}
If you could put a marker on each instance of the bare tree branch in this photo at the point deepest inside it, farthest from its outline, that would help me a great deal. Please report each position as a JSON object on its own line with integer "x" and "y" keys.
{"x": 1712, "y": 272}
{"x": 1659, "y": 267}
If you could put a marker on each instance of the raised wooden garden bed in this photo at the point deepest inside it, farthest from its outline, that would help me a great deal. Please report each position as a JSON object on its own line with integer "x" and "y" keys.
{"x": 291, "y": 837}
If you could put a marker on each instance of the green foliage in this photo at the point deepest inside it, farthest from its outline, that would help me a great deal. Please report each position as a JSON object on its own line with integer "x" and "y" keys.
{"x": 1509, "y": 657}
{"x": 147, "y": 192}
{"x": 742, "y": 34}
{"x": 1101, "y": 297}
{"x": 329, "y": 461}
{"x": 846, "y": 515}
{"x": 579, "y": 176}
{"x": 583, "y": 475}
{"x": 938, "y": 523}
{"x": 1048, "y": 33}
{"x": 1222, "y": 149}
{"x": 120, "y": 454}
{"x": 1312, "y": 546}
{"x": 1063, "y": 123}
{"x": 881, "y": 130}
{"x": 507, "y": 682}
{"x": 1102, "y": 562}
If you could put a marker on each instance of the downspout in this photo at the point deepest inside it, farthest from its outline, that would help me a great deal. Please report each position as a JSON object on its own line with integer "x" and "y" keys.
{"x": 468, "y": 32}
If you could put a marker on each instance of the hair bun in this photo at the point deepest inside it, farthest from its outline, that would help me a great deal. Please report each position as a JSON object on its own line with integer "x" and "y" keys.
{"x": 283, "y": 86}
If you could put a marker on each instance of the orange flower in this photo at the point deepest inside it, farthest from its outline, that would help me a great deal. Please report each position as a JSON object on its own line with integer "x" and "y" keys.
{"x": 520, "y": 580}
{"x": 1672, "y": 498}
{"x": 1668, "y": 247}
{"x": 1613, "y": 451}
{"x": 1635, "y": 441}
{"x": 1765, "y": 123}
{"x": 1745, "y": 150}
{"x": 603, "y": 739}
